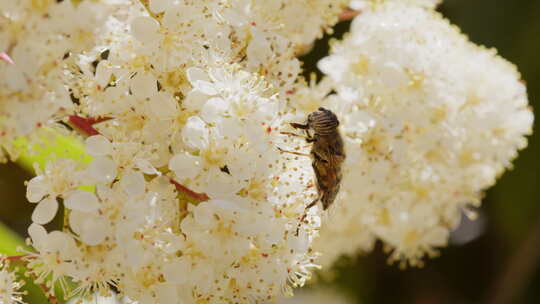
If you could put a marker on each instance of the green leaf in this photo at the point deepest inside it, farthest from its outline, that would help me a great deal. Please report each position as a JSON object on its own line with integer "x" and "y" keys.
{"x": 53, "y": 146}
{"x": 9, "y": 241}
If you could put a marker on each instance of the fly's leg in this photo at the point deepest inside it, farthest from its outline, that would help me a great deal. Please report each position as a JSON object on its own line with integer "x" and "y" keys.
{"x": 299, "y": 126}
{"x": 307, "y": 137}
{"x": 313, "y": 203}
{"x": 293, "y": 152}
{"x": 305, "y": 127}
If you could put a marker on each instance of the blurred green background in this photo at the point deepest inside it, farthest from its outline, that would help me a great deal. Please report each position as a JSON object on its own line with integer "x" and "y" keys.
{"x": 494, "y": 260}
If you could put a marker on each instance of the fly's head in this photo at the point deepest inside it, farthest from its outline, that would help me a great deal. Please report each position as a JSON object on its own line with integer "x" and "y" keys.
{"x": 323, "y": 122}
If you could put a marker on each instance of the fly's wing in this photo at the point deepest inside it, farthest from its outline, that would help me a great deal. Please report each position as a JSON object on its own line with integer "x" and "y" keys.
{"x": 327, "y": 161}
{"x": 328, "y": 181}
{"x": 327, "y": 169}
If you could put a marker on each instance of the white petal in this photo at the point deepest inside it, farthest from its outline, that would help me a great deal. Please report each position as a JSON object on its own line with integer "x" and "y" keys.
{"x": 36, "y": 189}
{"x": 230, "y": 206}
{"x": 164, "y": 105}
{"x": 76, "y": 220}
{"x": 145, "y": 29}
{"x": 195, "y": 133}
{"x": 94, "y": 230}
{"x": 335, "y": 66}
{"x": 45, "y": 211}
{"x": 133, "y": 183}
{"x": 15, "y": 80}
{"x": 167, "y": 294}
{"x": 204, "y": 215}
{"x": 205, "y": 87}
{"x": 222, "y": 184}
{"x": 158, "y": 6}
{"x": 102, "y": 169}
{"x": 134, "y": 255}
{"x": 62, "y": 243}
{"x": 194, "y": 101}
{"x": 145, "y": 166}
{"x": 178, "y": 271}
{"x": 38, "y": 234}
{"x": 358, "y": 5}
{"x": 103, "y": 73}
{"x": 82, "y": 201}
{"x": 98, "y": 145}
{"x": 214, "y": 109}
{"x": 185, "y": 166}
{"x": 143, "y": 86}
{"x": 196, "y": 74}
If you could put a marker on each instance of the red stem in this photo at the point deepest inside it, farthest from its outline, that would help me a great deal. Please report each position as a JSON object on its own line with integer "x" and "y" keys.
{"x": 5, "y": 57}
{"x": 17, "y": 257}
{"x": 86, "y": 125}
{"x": 50, "y": 296}
{"x": 198, "y": 196}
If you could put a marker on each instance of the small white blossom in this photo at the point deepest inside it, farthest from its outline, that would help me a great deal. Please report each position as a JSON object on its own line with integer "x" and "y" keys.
{"x": 10, "y": 285}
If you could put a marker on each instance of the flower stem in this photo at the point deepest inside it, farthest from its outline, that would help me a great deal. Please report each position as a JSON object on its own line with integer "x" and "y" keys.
{"x": 5, "y": 57}
{"x": 86, "y": 125}
{"x": 201, "y": 197}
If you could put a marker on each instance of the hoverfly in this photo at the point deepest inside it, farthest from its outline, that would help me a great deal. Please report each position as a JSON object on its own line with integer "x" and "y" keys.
{"x": 327, "y": 154}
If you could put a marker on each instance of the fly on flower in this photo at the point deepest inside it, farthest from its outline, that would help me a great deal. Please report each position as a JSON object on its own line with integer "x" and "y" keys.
{"x": 327, "y": 154}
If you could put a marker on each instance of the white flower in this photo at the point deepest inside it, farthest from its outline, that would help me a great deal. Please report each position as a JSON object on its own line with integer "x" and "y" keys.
{"x": 430, "y": 120}
{"x": 56, "y": 181}
{"x": 38, "y": 36}
{"x": 56, "y": 258}
{"x": 10, "y": 286}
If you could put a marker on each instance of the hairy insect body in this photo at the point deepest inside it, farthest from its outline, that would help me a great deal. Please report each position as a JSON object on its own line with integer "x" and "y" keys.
{"x": 328, "y": 156}
{"x": 327, "y": 153}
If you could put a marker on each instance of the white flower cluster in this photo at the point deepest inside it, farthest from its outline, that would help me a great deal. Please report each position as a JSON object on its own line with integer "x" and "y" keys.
{"x": 37, "y": 35}
{"x": 135, "y": 233}
{"x": 430, "y": 120}
{"x": 188, "y": 198}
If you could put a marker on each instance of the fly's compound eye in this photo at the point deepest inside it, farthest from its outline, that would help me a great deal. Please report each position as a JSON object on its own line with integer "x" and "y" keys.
{"x": 323, "y": 121}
